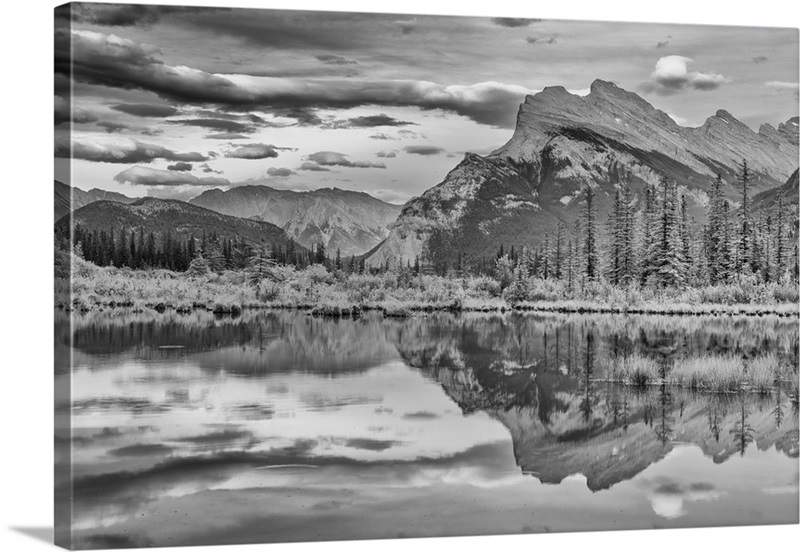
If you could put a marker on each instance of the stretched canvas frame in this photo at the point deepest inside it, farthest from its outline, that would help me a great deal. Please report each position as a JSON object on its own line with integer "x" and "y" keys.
{"x": 478, "y": 348}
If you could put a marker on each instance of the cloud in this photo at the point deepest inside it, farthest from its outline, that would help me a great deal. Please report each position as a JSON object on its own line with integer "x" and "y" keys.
{"x": 672, "y": 75}
{"x": 540, "y": 40}
{"x": 113, "y": 61}
{"x": 513, "y": 22}
{"x": 334, "y": 159}
{"x": 280, "y": 172}
{"x": 112, "y": 127}
{"x": 390, "y": 196}
{"x": 388, "y": 155}
{"x": 781, "y": 85}
{"x": 180, "y": 166}
{"x": 309, "y": 166}
{"x": 145, "y": 110}
{"x": 662, "y": 44}
{"x": 424, "y": 150}
{"x": 206, "y": 168}
{"x": 125, "y": 15}
{"x": 667, "y": 497}
{"x": 335, "y": 60}
{"x": 216, "y": 124}
{"x": 407, "y": 27}
{"x": 381, "y": 136}
{"x": 760, "y": 59}
{"x": 120, "y": 150}
{"x": 371, "y": 121}
{"x": 227, "y": 136}
{"x": 145, "y": 176}
{"x": 253, "y": 151}
{"x": 63, "y": 113}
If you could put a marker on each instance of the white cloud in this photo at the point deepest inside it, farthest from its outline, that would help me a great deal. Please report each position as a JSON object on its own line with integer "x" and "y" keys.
{"x": 672, "y": 74}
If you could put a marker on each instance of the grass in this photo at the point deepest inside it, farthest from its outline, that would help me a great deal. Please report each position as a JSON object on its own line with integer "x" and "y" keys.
{"x": 715, "y": 373}
{"x": 637, "y": 370}
{"x": 763, "y": 372}
{"x": 719, "y": 373}
{"x": 396, "y": 294}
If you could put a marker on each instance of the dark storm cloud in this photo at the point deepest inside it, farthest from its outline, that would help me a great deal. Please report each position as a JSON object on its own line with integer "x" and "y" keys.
{"x": 513, "y": 22}
{"x": 334, "y": 159}
{"x": 424, "y": 150}
{"x": 145, "y": 176}
{"x": 113, "y": 127}
{"x": 280, "y": 172}
{"x": 180, "y": 167}
{"x": 128, "y": 15}
{"x": 112, "y": 61}
{"x": 63, "y": 113}
{"x": 371, "y": 121}
{"x": 253, "y": 151}
{"x": 227, "y": 136}
{"x": 216, "y": 124}
{"x": 374, "y": 445}
{"x": 120, "y": 150}
{"x": 331, "y": 59}
{"x": 309, "y": 166}
{"x": 283, "y": 29}
{"x": 146, "y": 110}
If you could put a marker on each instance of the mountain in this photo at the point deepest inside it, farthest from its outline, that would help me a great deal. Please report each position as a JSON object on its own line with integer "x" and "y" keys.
{"x": 66, "y": 195}
{"x": 180, "y": 218}
{"x": 542, "y": 378}
{"x": 561, "y": 143}
{"x": 768, "y": 199}
{"x": 353, "y": 222}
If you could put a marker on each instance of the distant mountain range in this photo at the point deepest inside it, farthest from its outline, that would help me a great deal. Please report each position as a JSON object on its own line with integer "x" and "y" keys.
{"x": 68, "y": 198}
{"x": 178, "y": 217}
{"x": 561, "y": 143}
{"x": 352, "y": 222}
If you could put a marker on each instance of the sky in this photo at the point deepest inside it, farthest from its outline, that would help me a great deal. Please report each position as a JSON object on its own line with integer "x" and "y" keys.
{"x": 172, "y": 101}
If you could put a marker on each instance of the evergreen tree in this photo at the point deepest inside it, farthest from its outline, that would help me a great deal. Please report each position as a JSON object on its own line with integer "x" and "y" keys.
{"x": 744, "y": 256}
{"x": 668, "y": 265}
{"x": 590, "y": 245}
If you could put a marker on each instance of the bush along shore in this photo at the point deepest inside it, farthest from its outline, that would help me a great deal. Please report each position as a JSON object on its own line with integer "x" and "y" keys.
{"x": 83, "y": 286}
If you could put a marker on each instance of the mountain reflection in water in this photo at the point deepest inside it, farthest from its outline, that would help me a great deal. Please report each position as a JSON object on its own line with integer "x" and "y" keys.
{"x": 276, "y": 426}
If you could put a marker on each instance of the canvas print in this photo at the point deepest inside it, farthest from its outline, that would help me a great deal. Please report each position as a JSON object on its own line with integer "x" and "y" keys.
{"x": 329, "y": 276}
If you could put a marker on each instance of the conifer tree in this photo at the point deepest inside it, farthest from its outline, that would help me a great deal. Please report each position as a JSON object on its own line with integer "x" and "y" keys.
{"x": 590, "y": 245}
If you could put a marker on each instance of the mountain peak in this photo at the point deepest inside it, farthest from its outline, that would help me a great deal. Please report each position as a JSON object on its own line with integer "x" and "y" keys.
{"x": 600, "y": 86}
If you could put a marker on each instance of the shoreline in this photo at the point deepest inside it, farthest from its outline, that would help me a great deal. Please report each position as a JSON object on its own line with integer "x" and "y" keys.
{"x": 403, "y": 310}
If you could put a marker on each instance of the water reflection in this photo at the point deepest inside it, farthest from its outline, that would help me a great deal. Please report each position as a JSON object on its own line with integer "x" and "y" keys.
{"x": 197, "y": 429}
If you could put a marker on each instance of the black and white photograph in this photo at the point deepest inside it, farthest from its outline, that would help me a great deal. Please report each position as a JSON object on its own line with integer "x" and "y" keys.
{"x": 338, "y": 275}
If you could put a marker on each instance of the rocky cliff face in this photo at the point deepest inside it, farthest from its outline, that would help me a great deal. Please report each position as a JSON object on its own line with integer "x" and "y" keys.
{"x": 563, "y": 142}
{"x": 352, "y": 222}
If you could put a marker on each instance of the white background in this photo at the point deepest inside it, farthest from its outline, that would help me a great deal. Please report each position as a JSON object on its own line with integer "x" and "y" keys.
{"x": 25, "y": 252}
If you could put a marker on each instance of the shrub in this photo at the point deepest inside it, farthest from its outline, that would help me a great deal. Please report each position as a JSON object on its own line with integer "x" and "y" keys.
{"x": 635, "y": 369}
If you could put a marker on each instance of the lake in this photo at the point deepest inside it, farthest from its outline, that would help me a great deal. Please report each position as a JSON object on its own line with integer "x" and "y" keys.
{"x": 277, "y": 426}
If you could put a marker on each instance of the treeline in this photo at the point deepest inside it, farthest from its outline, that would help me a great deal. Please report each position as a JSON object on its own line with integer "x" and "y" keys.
{"x": 659, "y": 245}
{"x": 137, "y": 249}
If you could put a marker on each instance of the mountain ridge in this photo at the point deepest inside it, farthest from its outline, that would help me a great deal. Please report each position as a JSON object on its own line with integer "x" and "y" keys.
{"x": 350, "y": 221}
{"x": 562, "y": 143}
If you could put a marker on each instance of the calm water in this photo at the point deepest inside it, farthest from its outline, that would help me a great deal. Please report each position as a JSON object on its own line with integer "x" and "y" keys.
{"x": 281, "y": 427}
